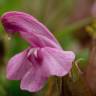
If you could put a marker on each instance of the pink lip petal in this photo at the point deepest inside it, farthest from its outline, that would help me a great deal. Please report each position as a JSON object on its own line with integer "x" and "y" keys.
{"x": 54, "y": 62}
{"x": 58, "y": 62}
{"x": 33, "y": 81}
{"x": 18, "y": 66}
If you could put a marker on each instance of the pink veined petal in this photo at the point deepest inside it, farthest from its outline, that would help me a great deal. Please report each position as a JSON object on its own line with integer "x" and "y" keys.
{"x": 18, "y": 66}
{"x": 39, "y": 40}
{"x": 33, "y": 81}
{"x": 22, "y": 22}
{"x": 57, "y": 62}
{"x": 53, "y": 62}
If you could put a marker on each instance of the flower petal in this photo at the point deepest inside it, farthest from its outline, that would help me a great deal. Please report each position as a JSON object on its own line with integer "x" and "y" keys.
{"x": 42, "y": 41}
{"x": 57, "y": 62}
{"x": 18, "y": 66}
{"x": 26, "y": 25}
{"x": 33, "y": 81}
{"x": 46, "y": 62}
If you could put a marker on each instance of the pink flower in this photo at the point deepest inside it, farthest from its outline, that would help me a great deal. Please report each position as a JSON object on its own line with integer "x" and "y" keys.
{"x": 44, "y": 57}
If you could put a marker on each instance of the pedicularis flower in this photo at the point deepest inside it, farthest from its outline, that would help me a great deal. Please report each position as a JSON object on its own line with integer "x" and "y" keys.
{"x": 43, "y": 58}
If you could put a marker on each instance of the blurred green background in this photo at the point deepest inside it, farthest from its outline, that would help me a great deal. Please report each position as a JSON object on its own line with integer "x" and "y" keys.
{"x": 66, "y": 19}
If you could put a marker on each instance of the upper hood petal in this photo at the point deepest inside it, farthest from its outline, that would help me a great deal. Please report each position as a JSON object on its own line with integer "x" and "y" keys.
{"x": 27, "y": 25}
